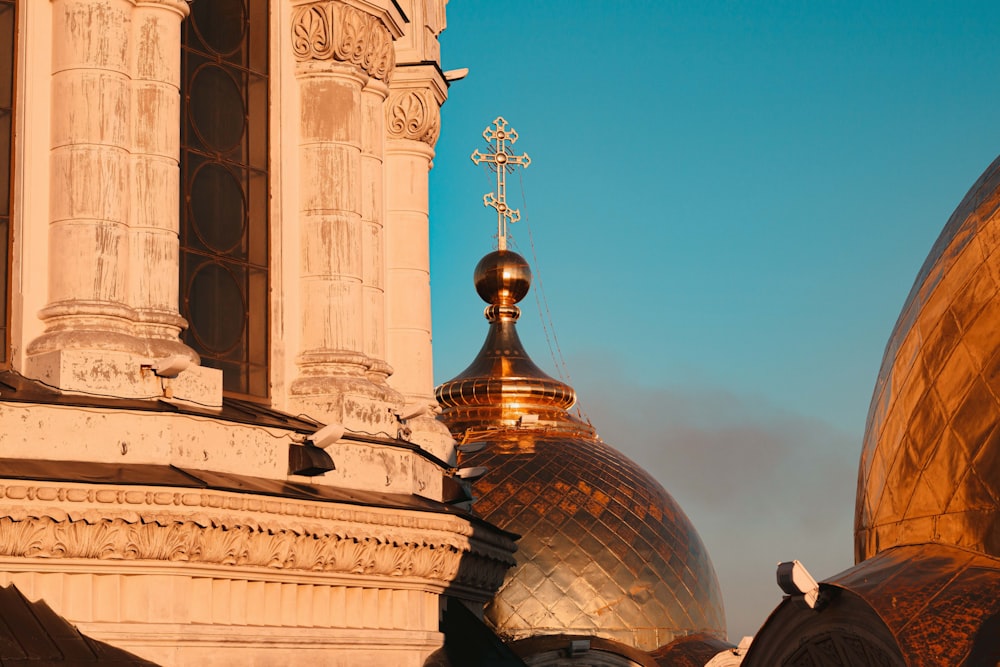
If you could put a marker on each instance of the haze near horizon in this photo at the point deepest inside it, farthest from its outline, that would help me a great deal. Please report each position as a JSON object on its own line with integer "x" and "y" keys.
{"x": 726, "y": 207}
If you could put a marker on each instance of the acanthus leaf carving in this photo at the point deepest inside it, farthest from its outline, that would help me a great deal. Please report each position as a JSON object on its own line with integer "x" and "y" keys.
{"x": 78, "y": 539}
{"x": 308, "y": 553}
{"x": 227, "y": 547}
{"x": 25, "y": 538}
{"x": 389, "y": 559}
{"x": 185, "y": 541}
{"x": 413, "y": 114}
{"x": 349, "y": 31}
{"x": 152, "y": 541}
{"x": 311, "y": 37}
{"x": 331, "y": 30}
{"x": 237, "y": 529}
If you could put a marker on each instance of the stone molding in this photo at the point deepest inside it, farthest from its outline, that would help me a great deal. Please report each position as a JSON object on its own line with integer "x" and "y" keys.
{"x": 116, "y": 523}
{"x": 182, "y": 7}
{"x": 331, "y": 30}
{"x": 413, "y": 114}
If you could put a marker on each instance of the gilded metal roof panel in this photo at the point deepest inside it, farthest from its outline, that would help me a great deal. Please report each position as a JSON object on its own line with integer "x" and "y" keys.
{"x": 930, "y": 468}
{"x": 942, "y": 603}
{"x": 846, "y": 632}
{"x": 605, "y": 550}
{"x": 503, "y": 384}
{"x": 691, "y": 651}
{"x": 921, "y": 606}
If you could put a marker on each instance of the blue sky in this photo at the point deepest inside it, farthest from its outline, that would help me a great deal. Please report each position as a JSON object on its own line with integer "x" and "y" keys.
{"x": 728, "y": 202}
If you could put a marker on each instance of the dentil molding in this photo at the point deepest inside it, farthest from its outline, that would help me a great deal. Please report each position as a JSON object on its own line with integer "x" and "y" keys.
{"x": 331, "y": 30}
{"x": 226, "y": 529}
{"x": 413, "y": 114}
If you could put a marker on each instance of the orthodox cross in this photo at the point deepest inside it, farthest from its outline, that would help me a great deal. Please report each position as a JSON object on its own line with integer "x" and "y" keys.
{"x": 500, "y": 161}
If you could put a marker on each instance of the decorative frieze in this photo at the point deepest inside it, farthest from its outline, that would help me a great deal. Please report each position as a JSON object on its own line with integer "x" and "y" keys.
{"x": 335, "y": 31}
{"x": 226, "y": 529}
{"x": 413, "y": 114}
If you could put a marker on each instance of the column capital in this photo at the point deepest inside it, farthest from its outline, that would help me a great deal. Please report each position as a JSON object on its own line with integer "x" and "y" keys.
{"x": 332, "y": 30}
{"x": 413, "y": 110}
{"x": 413, "y": 114}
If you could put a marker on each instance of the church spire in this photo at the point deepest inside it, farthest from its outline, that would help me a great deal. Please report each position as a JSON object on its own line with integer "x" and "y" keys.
{"x": 502, "y": 387}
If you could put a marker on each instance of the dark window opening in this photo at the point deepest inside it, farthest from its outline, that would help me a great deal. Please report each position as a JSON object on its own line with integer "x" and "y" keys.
{"x": 224, "y": 185}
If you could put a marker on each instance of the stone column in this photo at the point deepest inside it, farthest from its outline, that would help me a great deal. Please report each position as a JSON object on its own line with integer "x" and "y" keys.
{"x": 88, "y": 305}
{"x": 153, "y": 232}
{"x": 339, "y": 50}
{"x": 112, "y": 243}
{"x": 413, "y": 121}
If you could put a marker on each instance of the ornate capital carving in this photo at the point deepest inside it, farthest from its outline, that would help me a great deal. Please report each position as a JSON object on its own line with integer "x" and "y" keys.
{"x": 413, "y": 114}
{"x": 334, "y": 31}
{"x": 217, "y": 528}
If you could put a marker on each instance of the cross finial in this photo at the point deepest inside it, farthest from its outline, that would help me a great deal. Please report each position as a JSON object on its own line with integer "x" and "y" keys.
{"x": 500, "y": 161}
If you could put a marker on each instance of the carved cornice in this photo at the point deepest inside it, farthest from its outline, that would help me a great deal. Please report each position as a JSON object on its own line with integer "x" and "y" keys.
{"x": 334, "y": 31}
{"x": 413, "y": 114}
{"x": 226, "y": 529}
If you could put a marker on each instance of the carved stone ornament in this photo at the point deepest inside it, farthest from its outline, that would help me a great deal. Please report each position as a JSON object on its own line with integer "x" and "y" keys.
{"x": 218, "y": 528}
{"x": 413, "y": 114}
{"x": 335, "y": 31}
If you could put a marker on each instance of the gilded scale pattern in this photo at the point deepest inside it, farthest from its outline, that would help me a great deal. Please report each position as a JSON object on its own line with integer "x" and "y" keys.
{"x": 925, "y": 605}
{"x": 930, "y": 469}
{"x": 926, "y": 589}
{"x": 605, "y": 551}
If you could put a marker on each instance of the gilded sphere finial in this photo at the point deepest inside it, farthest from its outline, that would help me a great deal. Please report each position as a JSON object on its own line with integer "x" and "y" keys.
{"x": 502, "y": 278}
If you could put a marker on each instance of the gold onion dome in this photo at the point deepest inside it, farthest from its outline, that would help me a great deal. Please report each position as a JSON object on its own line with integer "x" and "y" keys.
{"x": 930, "y": 468}
{"x": 503, "y": 384}
{"x": 926, "y": 586}
{"x": 605, "y": 550}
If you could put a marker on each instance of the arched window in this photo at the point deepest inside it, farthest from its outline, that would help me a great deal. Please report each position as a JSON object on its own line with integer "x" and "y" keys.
{"x": 7, "y": 32}
{"x": 224, "y": 189}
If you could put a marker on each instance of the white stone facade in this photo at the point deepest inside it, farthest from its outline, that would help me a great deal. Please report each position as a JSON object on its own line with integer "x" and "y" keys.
{"x": 222, "y": 577}
{"x": 352, "y": 127}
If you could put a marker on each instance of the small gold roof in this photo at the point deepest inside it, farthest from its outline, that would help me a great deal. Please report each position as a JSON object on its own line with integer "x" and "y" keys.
{"x": 503, "y": 385}
{"x": 605, "y": 550}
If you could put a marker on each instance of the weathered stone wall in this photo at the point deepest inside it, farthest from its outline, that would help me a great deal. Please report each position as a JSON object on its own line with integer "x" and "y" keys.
{"x": 190, "y": 576}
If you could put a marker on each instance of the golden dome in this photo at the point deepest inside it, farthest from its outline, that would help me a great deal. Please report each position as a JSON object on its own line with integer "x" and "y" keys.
{"x": 930, "y": 469}
{"x": 605, "y": 550}
{"x": 503, "y": 384}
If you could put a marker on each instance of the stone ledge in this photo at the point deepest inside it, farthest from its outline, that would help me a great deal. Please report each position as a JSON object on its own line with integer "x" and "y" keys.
{"x": 205, "y": 646}
{"x": 109, "y": 524}
{"x": 121, "y": 375}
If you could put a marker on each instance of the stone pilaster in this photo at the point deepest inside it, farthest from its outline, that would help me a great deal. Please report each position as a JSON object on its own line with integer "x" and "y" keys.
{"x": 343, "y": 56}
{"x": 413, "y": 122}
